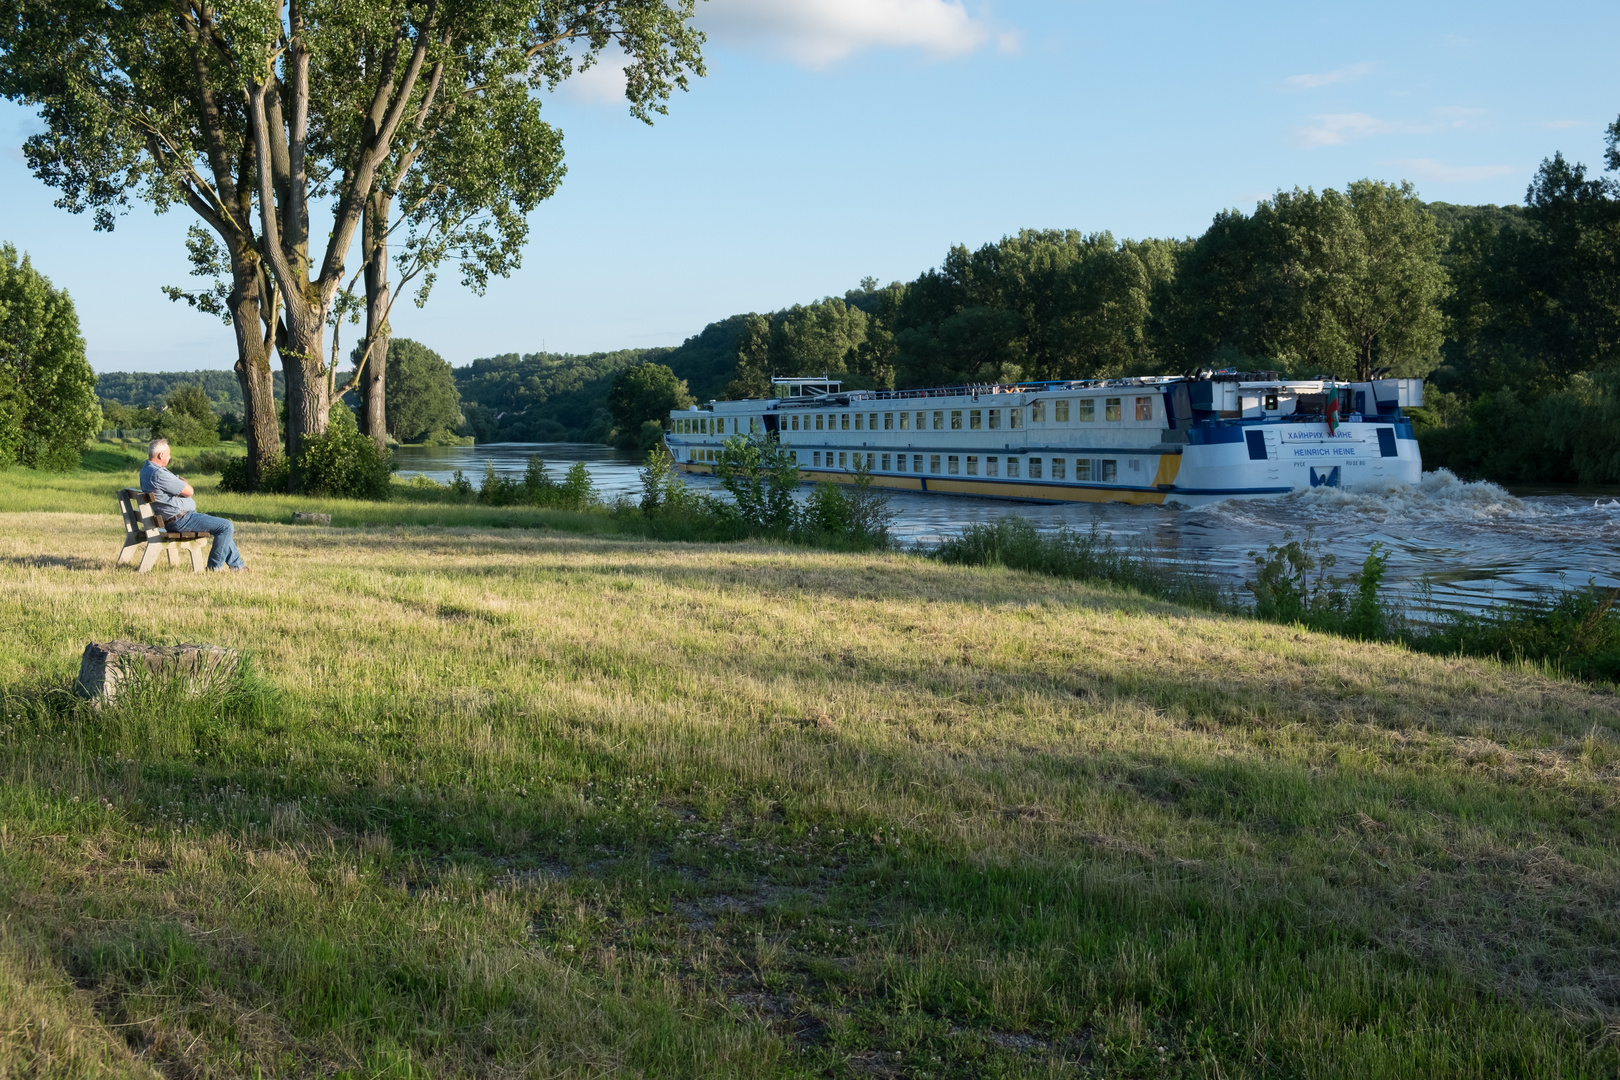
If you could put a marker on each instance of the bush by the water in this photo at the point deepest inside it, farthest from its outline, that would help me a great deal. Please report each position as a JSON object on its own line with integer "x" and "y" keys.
{"x": 762, "y": 478}
{"x": 1576, "y": 632}
{"x": 574, "y": 492}
{"x": 342, "y": 464}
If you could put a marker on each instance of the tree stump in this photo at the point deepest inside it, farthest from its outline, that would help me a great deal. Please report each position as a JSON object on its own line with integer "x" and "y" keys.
{"x": 302, "y": 517}
{"x": 108, "y": 669}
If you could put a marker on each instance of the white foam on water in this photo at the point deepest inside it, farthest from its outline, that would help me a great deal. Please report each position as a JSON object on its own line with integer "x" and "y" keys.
{"x": 1440, "y": 496}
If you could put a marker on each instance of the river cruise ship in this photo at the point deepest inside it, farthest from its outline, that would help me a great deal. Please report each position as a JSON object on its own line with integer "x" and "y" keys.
{"x": 1187, "y": 439}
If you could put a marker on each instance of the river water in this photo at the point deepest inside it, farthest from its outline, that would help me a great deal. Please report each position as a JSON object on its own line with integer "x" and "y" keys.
{"x": 1451, "y": 543}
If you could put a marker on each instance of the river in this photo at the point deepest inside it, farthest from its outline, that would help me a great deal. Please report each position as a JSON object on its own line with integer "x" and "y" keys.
{"x": 1451, "y": 543}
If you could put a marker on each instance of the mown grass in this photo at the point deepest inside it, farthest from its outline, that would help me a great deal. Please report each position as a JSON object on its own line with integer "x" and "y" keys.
{"x": 524, "y": 803}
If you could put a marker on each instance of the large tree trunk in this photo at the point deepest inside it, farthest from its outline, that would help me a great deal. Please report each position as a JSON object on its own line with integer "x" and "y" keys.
{"x": 248, "y": 317}
{"x": 303, "y": 364}
{"x": 373, "y": 380}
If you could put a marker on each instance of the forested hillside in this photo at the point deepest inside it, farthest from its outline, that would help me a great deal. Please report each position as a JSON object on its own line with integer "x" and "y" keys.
{"x": 150, "y": 389}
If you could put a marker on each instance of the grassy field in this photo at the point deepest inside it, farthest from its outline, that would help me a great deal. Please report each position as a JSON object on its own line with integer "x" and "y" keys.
{"x": 501, "y": 802}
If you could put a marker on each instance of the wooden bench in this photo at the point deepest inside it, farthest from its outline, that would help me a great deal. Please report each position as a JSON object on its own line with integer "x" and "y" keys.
{"x": 145, "y": 528}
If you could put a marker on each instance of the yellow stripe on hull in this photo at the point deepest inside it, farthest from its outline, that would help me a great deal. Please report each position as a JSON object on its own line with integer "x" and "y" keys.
{"x": 1169, "y": 465}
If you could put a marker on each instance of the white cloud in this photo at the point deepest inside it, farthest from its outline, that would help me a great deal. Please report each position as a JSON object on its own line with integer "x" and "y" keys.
{"x": 816, "y": 33}
{"x": 1328, "y": 78}
{"x": 602, "y": 82}
{"x": 1335, "y": 129}
{"x": 1430, "y": 169}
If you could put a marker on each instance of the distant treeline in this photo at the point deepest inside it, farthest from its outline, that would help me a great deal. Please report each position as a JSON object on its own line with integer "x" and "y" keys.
{"x": 151, "y": 389}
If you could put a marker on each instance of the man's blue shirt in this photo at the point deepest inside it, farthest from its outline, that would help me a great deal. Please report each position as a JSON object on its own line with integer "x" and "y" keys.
{"x": 165, "y": 488}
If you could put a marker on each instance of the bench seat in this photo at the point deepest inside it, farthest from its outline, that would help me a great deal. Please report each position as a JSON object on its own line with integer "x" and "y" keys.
{"x": 146, "y": 531}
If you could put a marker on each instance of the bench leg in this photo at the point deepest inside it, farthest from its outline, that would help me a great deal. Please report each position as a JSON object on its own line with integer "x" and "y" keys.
{"x": 173, "y": 553}
{"x": 149, "y": 557}
{"x": 126, "y": 554}
{"x": 199, "y": 556}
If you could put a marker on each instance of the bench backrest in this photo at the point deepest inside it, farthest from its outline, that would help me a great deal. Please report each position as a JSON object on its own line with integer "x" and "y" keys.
{"x": 140, "y": 516}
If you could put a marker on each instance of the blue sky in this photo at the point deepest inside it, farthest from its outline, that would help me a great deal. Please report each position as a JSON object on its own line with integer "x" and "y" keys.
{"x": 835, "y": 139}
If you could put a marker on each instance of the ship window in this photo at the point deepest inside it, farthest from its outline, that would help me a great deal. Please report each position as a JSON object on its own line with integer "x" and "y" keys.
{"x": 920, "y": 418}
{"x": 1012, "y": 466}
{"x": 899, "y": 463}
{"x": 975, "y": 420}
{"x": 871, "y": 460}
{"x": 992, "y": 466}
{"x": 956, "y": 419}
{"x": 1088, "y": 410}
{"x": 793, "y": 422}
{"x": 995, "y": 419}
{"x": 933, "y": 463}
{"x": 1111, "y": 409}
{"x": 1082, "y": 468}
{"x": 939, "y": 420}
{"x": 818, "y": 421}
{"x": 843, "y": 460}
{"x": 952, "y": 465}
{"x": 1271, "y": 401}
{"x": 1060, "y": 411}
{"x": 845, "y": 424}
{"x": 973, "y": 465}
{"x": 1110, "y": 471}
{"x": 1034, "y": 468}
{"x": 871, "y": 422}
{"x": 815, "y": 459}
{"x": 916, "y": 463}
{"x": 905, "y": 421}
{"x": 1144, "y": 408}
{"x": 1015, "y": 418}
{"x": 858, "y": 419}
{"x": 1057, "y": 468}
{"x": 793, "y": 455}
{"x": 1037, "y": 413}
{"x": 888, "y": 421}
{"x": 885, "y": 462}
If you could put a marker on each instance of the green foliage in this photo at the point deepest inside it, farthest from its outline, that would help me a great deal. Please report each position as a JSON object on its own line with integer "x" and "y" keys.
{"x": 761, "y": 477}
{"x": 642, "y": 393}
{"x": 344, "y": 463}
{"x": 1576, "y": 632}
{"x": 575, "y": 492}
{"x": 1016, "y": 543}
{"x": 151, "y": 389}
{"x": 189, "y": 419}
{"x": 1285, "y": 590}
{"x": 209, "y": 462}
{"x": 48, "y": 404}
{"x": 1319, "y": 283}
{"x": 233, "y": 476}
{"x": 421, "y": 398}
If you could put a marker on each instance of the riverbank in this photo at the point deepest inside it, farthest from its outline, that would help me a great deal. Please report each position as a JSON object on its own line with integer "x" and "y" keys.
{"x": 519, "y": 801}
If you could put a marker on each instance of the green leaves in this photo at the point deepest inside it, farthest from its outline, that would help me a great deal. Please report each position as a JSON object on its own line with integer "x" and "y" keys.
{"x": 48, "y": 405}
{"x": 420, "y": 392}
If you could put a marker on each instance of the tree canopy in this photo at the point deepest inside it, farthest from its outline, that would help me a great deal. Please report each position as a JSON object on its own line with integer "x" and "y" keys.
{"x": 422, "y": 397}
{"x": 645, "y": 392}
{"x": 47, "y": 391}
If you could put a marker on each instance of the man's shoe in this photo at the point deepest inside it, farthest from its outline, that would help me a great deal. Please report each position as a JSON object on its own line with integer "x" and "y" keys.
{"x": 240, "y": 569}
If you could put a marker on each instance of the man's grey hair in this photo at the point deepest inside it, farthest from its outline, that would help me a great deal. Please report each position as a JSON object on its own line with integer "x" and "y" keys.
{"x": 154, "y": 446}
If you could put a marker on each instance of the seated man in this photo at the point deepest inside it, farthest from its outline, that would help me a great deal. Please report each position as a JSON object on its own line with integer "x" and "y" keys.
{"x": 171, "y": 497}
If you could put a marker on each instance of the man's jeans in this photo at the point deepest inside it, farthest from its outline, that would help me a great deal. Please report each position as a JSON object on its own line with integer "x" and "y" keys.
{"x": 224, "y": 551}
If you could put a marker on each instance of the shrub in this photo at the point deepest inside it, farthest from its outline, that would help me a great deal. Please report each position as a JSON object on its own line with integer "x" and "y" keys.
{"x": 344, "y": 463}
{"x": 233, "y": 475}
{"x": 499, "y": 490}
{"x": 210, "y": 461}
